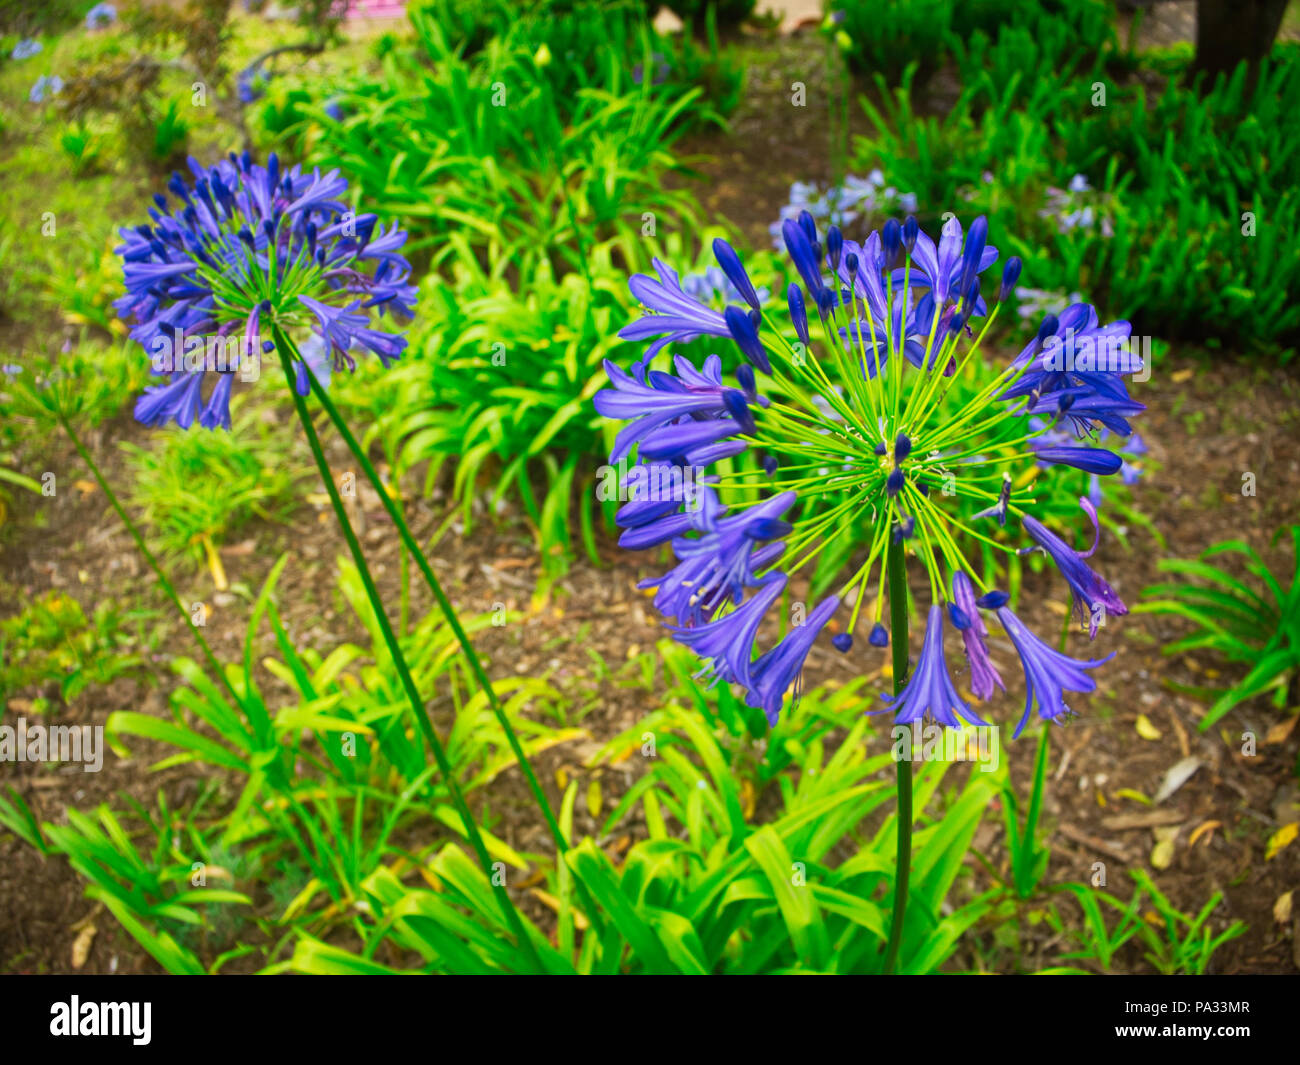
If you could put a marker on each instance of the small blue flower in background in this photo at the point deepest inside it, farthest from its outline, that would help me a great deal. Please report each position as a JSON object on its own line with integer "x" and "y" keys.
{"x": 842, "y": 204}
{"x": 1036, "y": 302}
{"x": 100, "y": 16}
{"x": 251, "y": 83}
{"x": 661, "y": 70}
{"x": 241, "y": 252}
{"x": 45, "y": 88}
{"x": 713, "y": 286}
{"x": 334, "y": 109}
{"x": 1079, "y": 206}
{"x": 26, "y": 48}
{"x": 856, "y": 433}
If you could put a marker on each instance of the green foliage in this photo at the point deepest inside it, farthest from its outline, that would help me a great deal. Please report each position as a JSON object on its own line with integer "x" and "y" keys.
{"x": 1029, "y": 855}
{"x": 83, "y": 288}
{"x": 1178, "y": 944}
{"x": 488, "y": 160}
{"x": 84, "y": 149}
{"x": 513, "y": 373}
{"x": 51, "y": 641}
{"x": 712, "y": 889}
{"x": 332, "y": 785}
{"x": 1175, "y": 943}
{"x": 8, "y": 480}
{"x": 1173, "y": 180}
{"x": 578, "y": 42}
{"x": 722, "y": 12}
{"x": 171, "y": 137}
{"x": 1254, "y": 623}
{"x": 884, "y": 37}
{"x": 195, "y": 489}
{"x": 90, "y": 382}
{"x": 49, "y": 16}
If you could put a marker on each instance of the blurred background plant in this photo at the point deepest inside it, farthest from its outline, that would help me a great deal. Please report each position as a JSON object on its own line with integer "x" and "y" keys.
{"x": 1108, "y": 167}
{"x": 194, "y": 491}
{"x": 53, "y": 649}
{"x": 1250, "y": 621}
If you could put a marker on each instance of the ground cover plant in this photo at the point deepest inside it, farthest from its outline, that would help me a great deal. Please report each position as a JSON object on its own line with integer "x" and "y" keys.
{"x": 529, "y": 488}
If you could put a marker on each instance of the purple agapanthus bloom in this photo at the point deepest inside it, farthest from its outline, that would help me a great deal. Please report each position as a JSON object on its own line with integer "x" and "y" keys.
{"x": 45, "y": 87}
{"x": 242, "y": 253}
{"x": 26, "y": 48}
{"x": 717, "y": 566}
{"x": 942, "y": 267}
{"x": 1093, "y": 597}
{"x": 1089, "y": 459}
{"x": 854, "y": 440}
{"x": 251, "y": 83}
{"x": 1075, "y": 369}
{"x": 774, "y": 672}
{"x": 100, "y": 16}
{"x": 712, "y": 286}
{"x": 929, "y": 690}
{"x": 727, "y": 644}
{"x": 661, "y": 399}
{"x": 677, "y": 318}
{"x": 1048, "y": 672}
{"x": 983, "y": 675}
{"x": 656, "y": 489}
{"x": 1129, "y": 471}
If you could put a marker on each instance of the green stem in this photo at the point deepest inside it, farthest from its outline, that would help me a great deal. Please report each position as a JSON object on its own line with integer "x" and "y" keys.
{"x": 444, "y": 604}
{"x": 131, "y": 527}
{"x": 511, "y": 915}
{"x": 897, "y": 569}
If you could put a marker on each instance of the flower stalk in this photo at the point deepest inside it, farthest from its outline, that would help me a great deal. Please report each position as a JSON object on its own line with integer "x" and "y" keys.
{"x": 284, "y": 348}
{"x": 896, "y": 568}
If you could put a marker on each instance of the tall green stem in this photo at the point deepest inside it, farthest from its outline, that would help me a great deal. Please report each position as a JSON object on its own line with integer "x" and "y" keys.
{"x": 444, "y": 604}
{"x": 449, "y": 612}
{"x": 897, "y": 569}
{"x": 131, "y": 527}
{"x": 511, "y": 915}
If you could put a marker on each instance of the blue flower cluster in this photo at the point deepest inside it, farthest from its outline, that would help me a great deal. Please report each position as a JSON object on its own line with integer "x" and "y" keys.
{"x": 857, "y": 425}
{"x": 240, "y": 250}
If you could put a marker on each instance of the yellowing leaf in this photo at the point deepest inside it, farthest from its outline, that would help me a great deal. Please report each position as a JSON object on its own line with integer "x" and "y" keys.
{"x": 1205, "y": 828}
{"x": 81, "y": 945}
{"x": 1281, "y": 838}
{"x": 594, "y": 797}
{"x": 1282, "y": 908}
{"x": 1145, "y": 729}
{"x": 1136, "y": 796}
{"x": 1279, "y": 732}
{"x": 549, "y": 900}
{"x": 1162, "y": 854}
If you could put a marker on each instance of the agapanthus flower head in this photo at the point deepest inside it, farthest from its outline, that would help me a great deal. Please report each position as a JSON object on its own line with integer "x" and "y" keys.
{"x": 240, "y": 254}
{"x": 1049, "y": 673}
{"x": 26, "y": 48}
{"x": 100, "y": 16}
{"x": 45, "y": 87}
{"x": 251, "y": 83}
{"x": 856, "y": 423}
